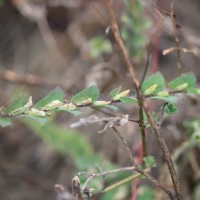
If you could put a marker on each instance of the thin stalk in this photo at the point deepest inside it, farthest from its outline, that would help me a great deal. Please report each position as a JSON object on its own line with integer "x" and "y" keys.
{"x": 142, "y": 129}
{"x": 139, "y": 170}
{"x": 136, "y": 83}
{"x": 166, "y": 154}
{"x": 177, "y": 41}
{"x": 125, "y": 145}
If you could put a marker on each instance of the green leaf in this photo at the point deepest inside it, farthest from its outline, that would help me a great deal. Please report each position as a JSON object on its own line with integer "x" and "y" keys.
{"x": 17, "y": 104}
{"x": 101, "y": 103}
{"x": 115, "y": 92}
{"x": 146, "y": 193}
{"x": 121, "y": 94}
{"x": 171, "y": 108}
{"x": 56, "y": 94}
{"x": 129, "y": 100}
{"x": 149, "y": 161}
{"x": 75, "y": 112}
{"x": 55, "y": 104}
{"x": 171, "y": 99}
{"x": 112, "y": 107}
{"x": 115, "y": 193}
{"x": 5, "y": 121}
{"x": 193, "y": 91}
{"x": 99, "y": 45}
{"x": 154, "y": 80}
{"x": 90, "y": 92}
{"x": 37, "y": 119}
{"x": 189, "y": 79}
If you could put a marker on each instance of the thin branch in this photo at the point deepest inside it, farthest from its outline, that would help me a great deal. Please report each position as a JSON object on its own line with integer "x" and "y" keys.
{"x": 156, "y": 183}
{"x": 151, "y": 179}
{"x": 142, "y": 128}
{"x": 76, "y": 189}
{"x": 141, "y": 100}
{"x": 146, "y": 66}
{"x": 120, "y": 42}
{"x": 125, "y": 169}
{"x": 129, "y": 68}
{"x": 177, "y": 42}
{"x": 31, "y": 80}
{"x": 103, "y": 174}
{"x": 124, "y": 181}
{"x": 166, "y": 153}
{"x": 125, "y": 145}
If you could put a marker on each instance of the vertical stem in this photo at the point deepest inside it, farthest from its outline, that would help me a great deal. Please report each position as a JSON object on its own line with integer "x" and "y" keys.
{"x": 136, "y": 83}
{"x": 166, "y": 154}
{"x": 125, "y": 145}
{"x": 142, "y": 129}
{"x": 177, "y": 42}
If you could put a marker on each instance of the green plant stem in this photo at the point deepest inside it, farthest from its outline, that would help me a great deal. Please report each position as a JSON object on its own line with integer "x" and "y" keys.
{"x": 142, "y": 129}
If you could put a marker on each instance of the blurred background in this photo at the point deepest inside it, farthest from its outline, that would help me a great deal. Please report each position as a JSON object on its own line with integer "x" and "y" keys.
{"x": 67, "y": 43}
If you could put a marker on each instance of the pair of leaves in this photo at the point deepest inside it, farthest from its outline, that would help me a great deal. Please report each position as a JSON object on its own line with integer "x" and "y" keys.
{"x": 155, "y": 84}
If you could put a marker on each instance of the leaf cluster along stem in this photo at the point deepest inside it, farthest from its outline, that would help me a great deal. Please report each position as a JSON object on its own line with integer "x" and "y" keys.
{"x": 141, "y": 100}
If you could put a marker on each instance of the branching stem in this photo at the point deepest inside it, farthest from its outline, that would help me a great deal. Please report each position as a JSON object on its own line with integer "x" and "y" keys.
{"x": 141, "y": 100}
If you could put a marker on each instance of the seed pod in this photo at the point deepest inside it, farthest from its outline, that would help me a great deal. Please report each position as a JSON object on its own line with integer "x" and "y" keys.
{"x": 182, "y": 86}
{"x": 101, "y": 103}
{"x": 122, "y": 94}
{"x": 163, "y": 94}
{"x": 150, "y": 90}
{"x": 35, "y": 113}
{"x": 53, "y": 105}
{"x": 67, "y": 107}
{"x": 84, "y": 102}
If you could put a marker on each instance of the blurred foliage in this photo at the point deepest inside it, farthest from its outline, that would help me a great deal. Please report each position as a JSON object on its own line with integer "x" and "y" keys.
{"x": 134, "y": 27}
{"x": 145, "y": 193}
{"x": 133, "y": 30}
{"x": 2, "y": 2}
{"x": 74, "y": 144}
{"x": 117, "y": 194}
{"x": 66, "y": 141}
{"x": 194, "y": 130}
{"x": 196, "y": 194}
{"x": 99, "y": 45}
{"x": 149, "y": 161}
